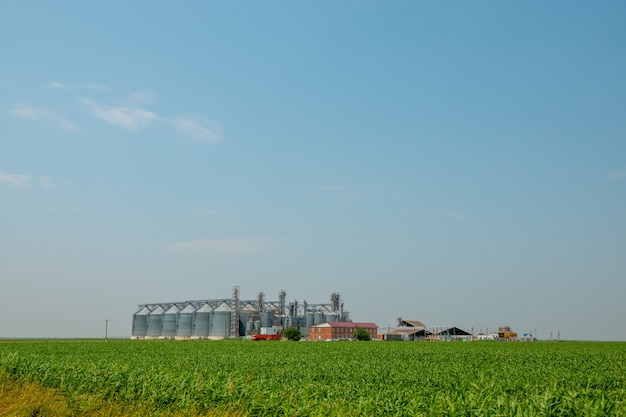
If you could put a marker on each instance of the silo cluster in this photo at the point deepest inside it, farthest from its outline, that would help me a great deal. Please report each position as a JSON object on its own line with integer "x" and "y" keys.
{"x": 222, "y": 318}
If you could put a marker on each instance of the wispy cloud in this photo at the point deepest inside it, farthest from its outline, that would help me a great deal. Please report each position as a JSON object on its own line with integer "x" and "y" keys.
{"x": 145, "y": 97}
{"x": 202, "y": 131}
{"x": 55, "y": 84}
{"x": 226, "y": 246}
{"x": 26, "y": 112}
{"x": 25, "y": 181}
{"x": 45, "y": 115}
{"x": 15, "y": 180}
{"x": 617, "y": 175}
{"x": 128, "y": 118}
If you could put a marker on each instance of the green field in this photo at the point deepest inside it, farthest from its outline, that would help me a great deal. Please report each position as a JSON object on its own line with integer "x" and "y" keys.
{"x": 323, "y": 378}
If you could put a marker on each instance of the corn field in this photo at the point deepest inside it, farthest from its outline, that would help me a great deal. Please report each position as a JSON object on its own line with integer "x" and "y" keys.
{"x": 246, "y": 378}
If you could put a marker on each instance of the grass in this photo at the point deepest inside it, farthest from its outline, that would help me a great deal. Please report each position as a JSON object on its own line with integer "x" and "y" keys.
{"x": 226, "y": 378}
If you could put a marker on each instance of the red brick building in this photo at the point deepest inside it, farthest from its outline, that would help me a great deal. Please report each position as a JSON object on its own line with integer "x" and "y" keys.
{"x": 339, "y": 330}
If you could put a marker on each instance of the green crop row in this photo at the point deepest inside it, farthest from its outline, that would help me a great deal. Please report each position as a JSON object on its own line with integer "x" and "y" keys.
{"x": 326, "y": 379}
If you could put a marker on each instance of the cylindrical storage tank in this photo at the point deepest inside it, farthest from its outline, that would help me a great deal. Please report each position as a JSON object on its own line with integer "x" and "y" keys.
{"x": 168, "y": 327}
{"x": 249, "y": 327}
{"x": 184, "y": 324}
{"x": 140, "y": 323}
{"x": 267, "y": 318}
{"x": 221, "y": 321}
{"x": 310, "y": 319}
{"x": 332, "y": 316}
{"x": 202, "y": 321}
{"x": 244, "y": 317}
{"x": 154, "y": 322}
{"x": 319, "y": 318}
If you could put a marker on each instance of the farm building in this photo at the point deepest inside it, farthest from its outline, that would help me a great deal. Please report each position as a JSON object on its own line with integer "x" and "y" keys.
{"x": 408, "y": 330}
{"x": 451, "y": 333}
{"x": 231, "y": 317}
{"x": 335, "y": 330}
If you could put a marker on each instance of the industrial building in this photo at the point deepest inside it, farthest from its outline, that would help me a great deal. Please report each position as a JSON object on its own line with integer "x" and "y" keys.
{"x": 231, "y": 317}
{"x": 333, "y": 330}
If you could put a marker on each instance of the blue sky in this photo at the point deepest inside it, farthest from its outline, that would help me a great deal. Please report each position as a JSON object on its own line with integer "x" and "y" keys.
{"x": 458, "y": 163}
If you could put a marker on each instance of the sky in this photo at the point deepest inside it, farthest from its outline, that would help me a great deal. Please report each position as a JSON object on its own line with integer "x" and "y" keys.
{"x": 458, "y": 163}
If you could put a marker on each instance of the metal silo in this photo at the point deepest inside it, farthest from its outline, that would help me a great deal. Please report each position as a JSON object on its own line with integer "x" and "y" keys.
{"x": 168, "y": 326}
{"x": 155, "y": 319}
{"x": 331, "y": 316}
{"x": 221, "y": 321}
{"x": 267, "y": 318}
{"x": 310, "y": 319}
{"x": 319, "y": 318}
{"x": 140, "y": 323}
{"x": 185, "y": 322}
{"x": 202, "y": 321}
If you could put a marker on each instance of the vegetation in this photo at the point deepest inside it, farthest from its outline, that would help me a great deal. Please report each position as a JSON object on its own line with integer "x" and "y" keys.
{"x": 362, "y": 334}
{"x": 242, "y": 378}
{"x": 293, "y": 333}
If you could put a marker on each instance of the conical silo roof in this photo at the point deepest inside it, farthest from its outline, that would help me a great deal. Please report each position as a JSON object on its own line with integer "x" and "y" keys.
{"x": 188, "y": 309}
{"x": 206, "y": 308}
{"x": 223, "y": 308}
{"x": 158, "y": 310}
{"x": 172, "y": 310}
{"x": 144, "y": 311}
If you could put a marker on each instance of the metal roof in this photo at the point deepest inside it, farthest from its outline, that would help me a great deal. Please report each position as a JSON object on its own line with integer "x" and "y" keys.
{"x": 350, "y": 324}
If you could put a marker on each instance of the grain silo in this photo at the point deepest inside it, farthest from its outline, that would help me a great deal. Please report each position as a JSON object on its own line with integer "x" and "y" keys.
{"x": 168, "y": 325}
{"x": 140, "y": 323}
{"x": 155, "y": 318}
{"x": 221, "y": 321}
{"x": 202, "y": 321}
{"x": 185, "y": 322}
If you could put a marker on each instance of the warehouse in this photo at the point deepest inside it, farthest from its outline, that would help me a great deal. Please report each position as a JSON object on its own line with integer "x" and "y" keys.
{"x": 231, "y": 317}
{"x": 334, "y": 330}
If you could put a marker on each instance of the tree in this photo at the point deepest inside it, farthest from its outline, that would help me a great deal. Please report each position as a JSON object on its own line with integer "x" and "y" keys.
{"x": 293, "y": 333}
{"x": 362, "y": 334}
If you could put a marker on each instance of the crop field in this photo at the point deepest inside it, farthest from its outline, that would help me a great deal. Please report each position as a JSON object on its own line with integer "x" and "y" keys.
{"x": 242, "y": 378}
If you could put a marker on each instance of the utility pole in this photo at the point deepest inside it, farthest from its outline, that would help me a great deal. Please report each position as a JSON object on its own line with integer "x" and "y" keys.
{"x": 106, "y": 330}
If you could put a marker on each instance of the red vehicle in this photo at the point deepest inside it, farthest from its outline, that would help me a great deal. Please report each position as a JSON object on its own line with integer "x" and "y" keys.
{"x": 265, "y": 337}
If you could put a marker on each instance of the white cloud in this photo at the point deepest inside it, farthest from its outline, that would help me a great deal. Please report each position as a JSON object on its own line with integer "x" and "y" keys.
{"x": 26, "y": 112}
{"x": 54, "y": 84}
{"x": 25, "y": 181}
{"x": 205, "y": 131}
{"x": 226, "y": 246}
{"x": 42, "y": 114}
{"x": 141, "y": 97}
{"x": 15, "y": 180}
{"x": 45, "y": 182}
{"x": 617, "y": 175}
{"x": 125, "y": 117}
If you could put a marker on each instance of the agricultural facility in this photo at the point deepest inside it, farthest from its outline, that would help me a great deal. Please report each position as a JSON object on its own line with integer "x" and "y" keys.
{"x": 231, "y": 317}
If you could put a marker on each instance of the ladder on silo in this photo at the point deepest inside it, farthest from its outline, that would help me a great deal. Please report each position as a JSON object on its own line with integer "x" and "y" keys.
{"x": 234, "y": 314}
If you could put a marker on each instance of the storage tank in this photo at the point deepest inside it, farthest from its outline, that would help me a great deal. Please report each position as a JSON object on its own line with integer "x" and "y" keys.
{"x": 267, "y": 318}
{"x": 310, "y": 319}
{"x": 332, "y": 316}
{"x": 154, "y": 322}
{"x": 220, "y": 327}
{"x": 168, "y": 327}
{"x": 140, "y": 323}
{"x": 184, "y": 325}
{"x": 318, "y": 318}
{"x": 202, "y": 321}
